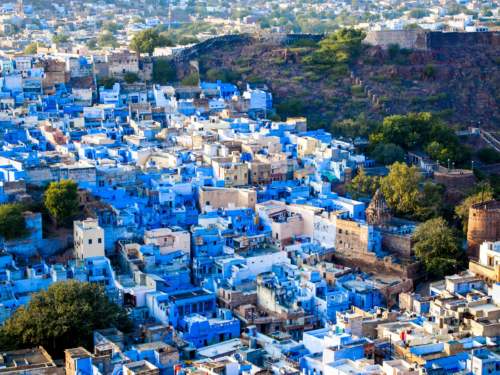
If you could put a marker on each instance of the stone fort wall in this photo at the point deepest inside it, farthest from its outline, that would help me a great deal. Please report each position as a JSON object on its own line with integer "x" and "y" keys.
{"x": 428, "y": 40}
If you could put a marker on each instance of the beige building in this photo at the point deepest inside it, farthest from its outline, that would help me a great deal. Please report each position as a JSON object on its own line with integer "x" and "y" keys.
{"x": 88, "y": 239}
{"x": 72, "y": 356}
{"x": 121, "y": 62}
{"x": 259, "y": 172}
{"x": 169, "y": 239}
{"x": 233, "y": 173}
{"x": 282, "y": 167}
{"x": 300, "y": 123}
{"x": 306, "y": 146}
{"x": 215, "y": 198}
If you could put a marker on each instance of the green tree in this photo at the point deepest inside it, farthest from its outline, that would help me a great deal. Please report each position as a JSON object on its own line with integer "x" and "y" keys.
{"x": 61, "y": 200}
{"x": 164, "y": 71}
{"x": 106, "y": 38}
{"x": 488, "y": 155}
{"x": 430, "y": 202}
{"x": 64, "y": 316}
{"x": 290, "y": 107}
{"x": 353, "y": 128}
{"x": 429, "y": 71}
{"x": 336, "y": 51}
{"x": 12, "y": 223}
{"x": 482, "y": 193}
{"x": 147, "y": 40}
{"x": 388, "y": 153}
{"x": 363, "y": 185}
{"x": 60, "y": 38}
{"x": 421, "y": 131}
{"x": 107, "y": 82}
{"x": 188, "y": 40}
{"x": 224, "y": 75}
{"x": 91, "y": 43}
{"x": 191, "y": 79}
{"x": 438, "y": 247}
{"x": 31, "y": 49}
{"x": 418, "y": 13}
{"x": 401, "y": 188}
{"x": 130, "y": 77}
{"x": 111, "y": 26}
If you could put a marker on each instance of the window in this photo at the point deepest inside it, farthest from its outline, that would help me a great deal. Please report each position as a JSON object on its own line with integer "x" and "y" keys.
{"x": 99, "y": 240}
{"x": 90, "y": 241}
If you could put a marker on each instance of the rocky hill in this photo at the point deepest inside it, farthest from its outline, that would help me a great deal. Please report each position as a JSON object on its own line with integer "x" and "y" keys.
{"x": 456, "y": 77}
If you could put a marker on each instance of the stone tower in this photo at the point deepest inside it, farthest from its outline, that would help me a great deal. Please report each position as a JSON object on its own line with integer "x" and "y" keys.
{"x": 378, "y": 212}
{"x": 483, "y": 225}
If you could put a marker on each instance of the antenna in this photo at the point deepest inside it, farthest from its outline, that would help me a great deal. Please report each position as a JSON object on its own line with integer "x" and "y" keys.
{"x": 169, "y": 14}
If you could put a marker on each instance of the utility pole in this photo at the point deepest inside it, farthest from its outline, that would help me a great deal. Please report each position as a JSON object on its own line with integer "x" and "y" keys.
{"x": 169, "y": 14}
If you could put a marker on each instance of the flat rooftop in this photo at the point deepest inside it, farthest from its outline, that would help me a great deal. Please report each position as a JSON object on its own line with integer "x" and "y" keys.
{"x": 223, "y": 348}
{"x": 189, "y": 294}
{"x": 140, "y": 366}
{"x": 78, "y": 352}
{"x": 156, "y": 345}
{"x": 35, "y": 357}
{"x": 259, "y": 251}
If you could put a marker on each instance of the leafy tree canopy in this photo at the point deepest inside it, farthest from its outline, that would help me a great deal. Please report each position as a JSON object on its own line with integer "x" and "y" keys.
{"x": 401, "y": 188}
{"x": 191, "y": 80}
{"x": 438, "y": 247}
{"x": 421, "y": 131}
{"x": 63, "y": 316}
{"x": 107, "y": 82}
{"x": 31, "y": 49}
{"x": 488, "y": 155}
{"x": 388, "y": 153}
{"x": 164, "y": 71}
{"x": 363, "y": 185}
{"x": 224, "y": 75}
{"x": 60, "y": 38}
{"x": 336, "y": 50}
{"x": 130, "y": 77}
{"x": 147, "y": 40}
{"x": 61, "y": 200}
{"x": 12, "y": 224}
{"x": 353, "y": 128}
{"x": 106, "y": 38}
{"x": 408, "y": 196}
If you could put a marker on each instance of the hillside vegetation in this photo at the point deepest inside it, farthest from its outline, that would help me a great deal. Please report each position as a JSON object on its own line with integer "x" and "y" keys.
{"x": 340, "y": 79}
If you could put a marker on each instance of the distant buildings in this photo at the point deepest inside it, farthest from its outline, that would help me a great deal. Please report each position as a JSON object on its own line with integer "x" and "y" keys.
{"x": 219, "y": 231}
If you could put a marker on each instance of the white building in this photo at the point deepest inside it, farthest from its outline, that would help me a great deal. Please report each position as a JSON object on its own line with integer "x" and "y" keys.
{"x": 169, "y": 239}
{"x": 88, "y": 239}
{"x": 489, "y": 254}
